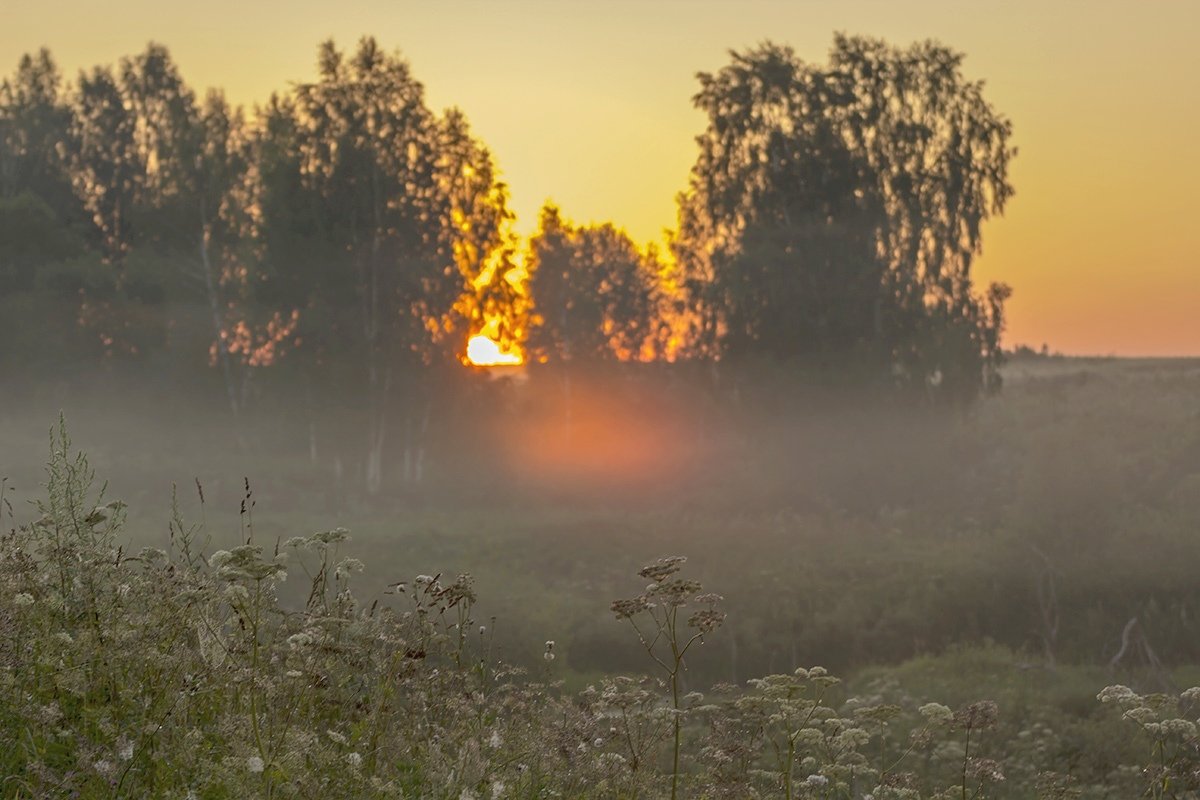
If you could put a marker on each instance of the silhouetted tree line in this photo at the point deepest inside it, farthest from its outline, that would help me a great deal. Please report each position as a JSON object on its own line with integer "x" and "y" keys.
{"x": 831, "y": 220}
{"x": 834, "y": 212}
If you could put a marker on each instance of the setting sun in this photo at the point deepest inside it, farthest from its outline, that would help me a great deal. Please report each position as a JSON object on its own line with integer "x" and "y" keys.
{"x": 485, "y": 352}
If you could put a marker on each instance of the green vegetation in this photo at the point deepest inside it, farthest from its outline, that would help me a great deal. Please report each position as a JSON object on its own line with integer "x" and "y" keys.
{"x": 345, "y": 239}
{"x": 261, "y": 316}
{"x": 977, "y": 605}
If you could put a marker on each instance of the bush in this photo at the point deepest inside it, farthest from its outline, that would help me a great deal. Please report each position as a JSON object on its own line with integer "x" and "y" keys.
{"x": 179, "y": 673}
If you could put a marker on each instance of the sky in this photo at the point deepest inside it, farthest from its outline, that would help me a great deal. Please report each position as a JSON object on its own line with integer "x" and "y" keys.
{"x": 589, "y": 104}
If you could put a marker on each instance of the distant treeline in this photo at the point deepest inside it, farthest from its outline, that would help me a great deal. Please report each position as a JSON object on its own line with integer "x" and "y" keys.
{"x": 343, "y": 234}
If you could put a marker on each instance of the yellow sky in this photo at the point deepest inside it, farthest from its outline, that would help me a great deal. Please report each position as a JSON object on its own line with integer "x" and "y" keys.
{"x": 588, "y": 103}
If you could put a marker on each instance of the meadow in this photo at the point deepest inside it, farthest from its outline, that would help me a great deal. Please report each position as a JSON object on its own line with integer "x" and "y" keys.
{"x": 973, "y": 577}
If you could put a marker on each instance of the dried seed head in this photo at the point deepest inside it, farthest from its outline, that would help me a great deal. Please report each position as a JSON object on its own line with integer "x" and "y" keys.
{"x": 663, "y": 568}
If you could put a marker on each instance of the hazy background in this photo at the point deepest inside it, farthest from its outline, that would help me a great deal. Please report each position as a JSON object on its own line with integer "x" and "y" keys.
{"x": 842, "y": 531}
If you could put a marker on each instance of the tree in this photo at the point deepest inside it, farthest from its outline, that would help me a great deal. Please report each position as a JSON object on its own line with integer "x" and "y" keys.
{"x": 834, "y": 212}
{"x": 345, "y": 214}
{"x": 366, "y": 142}
{"x": 386, "y": 225}
{"x": 35, "y": 120}
{"x": 477, "y": 233}
{"x": 596, "y": 296}
{"x": 39, "y": 216}
{"x": 103, "y": 160}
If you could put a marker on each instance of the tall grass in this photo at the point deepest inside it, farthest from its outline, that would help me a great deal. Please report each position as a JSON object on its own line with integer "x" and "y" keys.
{"x": 178, "y": 673}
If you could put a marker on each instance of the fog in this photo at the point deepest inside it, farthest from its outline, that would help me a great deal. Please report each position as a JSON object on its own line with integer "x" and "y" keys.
{"x": 846, "y": 531}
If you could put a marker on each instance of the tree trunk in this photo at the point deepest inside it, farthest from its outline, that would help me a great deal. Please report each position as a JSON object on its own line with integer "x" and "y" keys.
{"x": 313, "y": 454}
{"x": 214, "y": 305}
{"x": 377, "y": 384}
{"x": 376, "y": 428}
{"x": 414, "y": 443}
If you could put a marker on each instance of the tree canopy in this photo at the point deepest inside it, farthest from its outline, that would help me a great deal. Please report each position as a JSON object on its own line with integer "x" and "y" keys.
{"x": 834, "y": 211}
{"x": 831, "y": 219}
{"x": 597, "y": 295}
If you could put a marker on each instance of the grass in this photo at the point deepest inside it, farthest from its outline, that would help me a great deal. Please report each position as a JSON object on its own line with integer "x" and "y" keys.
{"x": 906, "y": 554}
{"x": 179, "y": 673}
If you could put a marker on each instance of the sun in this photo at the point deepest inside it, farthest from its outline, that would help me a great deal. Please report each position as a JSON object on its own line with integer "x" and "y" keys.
{"x": 483, "y": 351}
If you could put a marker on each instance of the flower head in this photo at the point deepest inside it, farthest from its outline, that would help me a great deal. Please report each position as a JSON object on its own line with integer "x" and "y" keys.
{"x": 663, "y": 568}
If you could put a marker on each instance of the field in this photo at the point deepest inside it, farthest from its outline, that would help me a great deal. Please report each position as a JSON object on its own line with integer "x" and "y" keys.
{"x": 997, "y": 554}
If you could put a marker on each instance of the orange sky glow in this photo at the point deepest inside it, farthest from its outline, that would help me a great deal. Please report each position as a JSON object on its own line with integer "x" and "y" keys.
{"x": 588, "y": 103}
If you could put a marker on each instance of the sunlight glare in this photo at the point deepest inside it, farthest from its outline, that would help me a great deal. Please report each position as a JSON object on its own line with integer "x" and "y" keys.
{"x": 483, "y": 351}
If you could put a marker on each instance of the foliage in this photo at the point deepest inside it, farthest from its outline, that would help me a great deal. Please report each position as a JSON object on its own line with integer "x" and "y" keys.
{"x": 834, "y": 212}
{"x": 597, "y": 295}
{"x": 347, "y": 235}
{"x": 180, "y": 672}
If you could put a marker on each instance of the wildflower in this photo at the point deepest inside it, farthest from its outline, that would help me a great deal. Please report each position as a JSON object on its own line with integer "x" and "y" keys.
{"x": 675, "y": 593}
{"x": 549, "y": 654}
{"x": 298, "y": 640}
{"x": 985, "y": 769}
{"x": 936, "y": 713}
{"x": 467, "y": 794}
{"x": 706, "y": 621}
{"x": 355, "y": 760}
{"x": 336, "y": 737}
{"x": 624, "y": 609}
{"x": 494, "y": 740}
{"x": 663, "y": 568}
{"x": 852, "y": 738}
{"x": 976, "y": 715}
{"x": 255, "y": 764}
{"x": 126, "y": 751}
{"x": 497, "y": 789}
{"x": 462, "y": 590}
{"x": 1117, "y": 694}
{"x": 1180, "y": 727}
{"x": 23, "y": 599}
{"x": 1140, "y": 714}
{"x": 816, "y": 781}
{"x": 810, "y": 737}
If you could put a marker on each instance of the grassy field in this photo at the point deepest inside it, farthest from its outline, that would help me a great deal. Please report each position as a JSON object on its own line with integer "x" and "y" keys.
{"x": 992, "y": 555}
